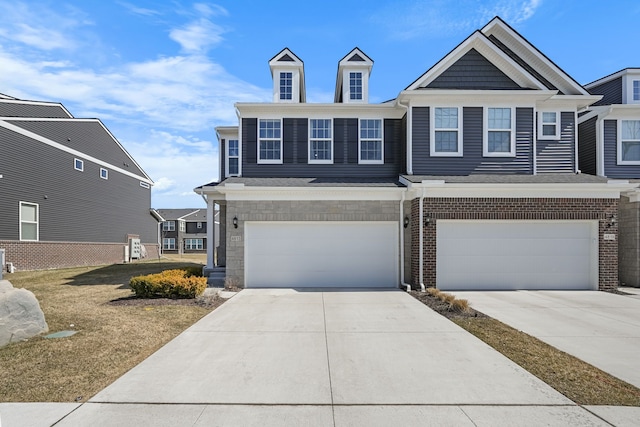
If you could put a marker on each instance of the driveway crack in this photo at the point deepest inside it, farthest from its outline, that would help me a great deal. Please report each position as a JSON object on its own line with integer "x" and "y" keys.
{"x": 326, "y": 345}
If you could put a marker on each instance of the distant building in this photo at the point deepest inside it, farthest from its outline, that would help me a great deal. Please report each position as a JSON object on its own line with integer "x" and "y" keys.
{"x": 71, "y": 194}
{"x": 183, "y": 231}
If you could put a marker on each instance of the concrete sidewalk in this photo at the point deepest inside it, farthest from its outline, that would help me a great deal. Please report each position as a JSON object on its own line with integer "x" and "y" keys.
{"x": 344, "y": 358}
{"x": 601, "y": 328}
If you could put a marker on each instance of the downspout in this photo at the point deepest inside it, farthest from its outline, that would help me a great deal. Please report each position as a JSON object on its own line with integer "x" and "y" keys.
{"x": 409, "y": 154}
{"x": 421, "y": 220}
{"x": 401, "y": 262}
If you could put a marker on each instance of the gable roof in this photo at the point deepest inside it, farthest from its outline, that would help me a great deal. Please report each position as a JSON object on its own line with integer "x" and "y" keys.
{"x": 287, "y": 59}
{"x": 531, "y": 57}
{"x": 613, "y": 76}
{"x": 355, "y": 58}
{"x": 480, "y": 43}
{"x": 187, "y": 214}
{"x": 12, "y": 107}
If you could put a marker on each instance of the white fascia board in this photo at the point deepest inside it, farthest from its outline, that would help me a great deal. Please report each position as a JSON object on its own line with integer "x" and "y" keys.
{"x": 115, "y": 140}
{"x": 189, "y": 214}
{"x": 570, "y": 102}
{"x": 525, "y": 50}
{"x": 600, "y": 111}
{"x": 310, "y": 194}
{"x": 227, "y": 132}
{"x": 51, "y": 104}
{"x": 475, "y": 98}
{"x": 571, "y": 191}
{"x": 73, "y": 152}
{"x": 157, "y": 215}
{"x": 624, "y": 111}
{"x": 316, "y": 110}
{"x": 491, "y": 52}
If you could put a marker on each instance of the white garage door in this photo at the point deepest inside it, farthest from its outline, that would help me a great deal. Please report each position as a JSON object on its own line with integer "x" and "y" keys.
{"x": 494, "y": 255}
{"x": 321, "y": 254}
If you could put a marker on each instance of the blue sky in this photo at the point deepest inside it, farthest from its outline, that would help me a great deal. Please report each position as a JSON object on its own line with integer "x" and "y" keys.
{"x": 163, "y": 74}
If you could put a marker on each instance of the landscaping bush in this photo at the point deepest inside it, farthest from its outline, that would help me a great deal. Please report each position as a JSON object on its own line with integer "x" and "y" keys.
{"x": 169, "y": 284}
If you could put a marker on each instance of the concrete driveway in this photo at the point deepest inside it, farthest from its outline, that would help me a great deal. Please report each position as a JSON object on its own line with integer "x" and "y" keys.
{"x": 601, "y": 328}
{"x": 345, "y": 358}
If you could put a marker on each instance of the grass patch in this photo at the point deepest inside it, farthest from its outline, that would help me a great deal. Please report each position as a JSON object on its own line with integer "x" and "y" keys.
{"x": 111, "y": 338}
{"x": 579, "y": 381}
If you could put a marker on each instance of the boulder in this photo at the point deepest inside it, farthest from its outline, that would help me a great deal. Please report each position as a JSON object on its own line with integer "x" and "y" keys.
{"x": 20, "y": 314}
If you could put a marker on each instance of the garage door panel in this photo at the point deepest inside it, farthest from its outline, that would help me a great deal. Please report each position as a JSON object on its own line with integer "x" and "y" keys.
{"x": 321, "y": 254}
{"x": 516, "y": 255}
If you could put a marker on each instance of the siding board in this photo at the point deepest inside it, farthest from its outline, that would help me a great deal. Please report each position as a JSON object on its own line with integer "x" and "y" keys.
{"x": 611, "y": 167}
{"x": 611, "y": 91}
{"x": 558, "y": 155}
{"x": 14, "y": 109}
{"x": 587, "y": 146}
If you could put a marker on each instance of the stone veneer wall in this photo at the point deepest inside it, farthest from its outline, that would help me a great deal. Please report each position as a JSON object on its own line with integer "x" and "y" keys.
{"x": 515, "y": 209}
{"x": 324, "y": 210}
{"x": 629, "y": 244}
{"x": 50, "y": 255}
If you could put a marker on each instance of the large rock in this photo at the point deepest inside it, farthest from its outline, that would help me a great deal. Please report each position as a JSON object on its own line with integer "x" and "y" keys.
{"x": 20, "y": 314}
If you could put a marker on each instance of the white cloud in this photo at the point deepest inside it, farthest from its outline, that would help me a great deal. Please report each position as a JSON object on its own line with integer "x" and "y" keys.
{"x": 138, "y": 10}
{"x": 198, "y": 36}
{"x": 443, "y": 18}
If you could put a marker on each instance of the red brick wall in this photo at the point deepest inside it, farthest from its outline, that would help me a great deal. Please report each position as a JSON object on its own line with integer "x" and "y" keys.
{"x": 516, "y": 209}
{"x": 48, "y": 255}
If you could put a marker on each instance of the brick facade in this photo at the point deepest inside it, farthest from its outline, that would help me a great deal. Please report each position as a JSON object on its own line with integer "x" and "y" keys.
{"x": 600, "y": 210}
{"x": 50, "y": 255}
{"x": 321, "y": 210}
{"x": 629, "y": 245}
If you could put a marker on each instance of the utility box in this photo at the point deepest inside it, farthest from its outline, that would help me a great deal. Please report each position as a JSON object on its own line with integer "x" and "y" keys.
{"x": 135, "y": 249}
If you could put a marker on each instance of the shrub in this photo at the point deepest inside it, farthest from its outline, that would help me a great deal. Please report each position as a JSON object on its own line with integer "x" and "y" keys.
{"x": 168, "y": 284}
{"x": 434, "y": 292}
{"x": 459, "y": 305}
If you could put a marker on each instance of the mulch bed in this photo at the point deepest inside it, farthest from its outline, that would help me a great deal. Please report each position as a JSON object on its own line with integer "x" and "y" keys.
{"x": 210, "y": 302}
{"x": 444, "y": 308}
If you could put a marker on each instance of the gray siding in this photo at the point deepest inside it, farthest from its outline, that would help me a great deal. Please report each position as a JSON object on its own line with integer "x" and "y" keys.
{"x": 88, "y": 137}
{"x": 558, "y": 155}
{"x": 345, "y": 156}
{"x": 223, "y": 158}
{"x": 12, "y": 109}
{"x": 612, "y": 91}
{"x": 611, "y": 168}
{"x": 473, "y": 71}
{"x": 74, "y": 206}
{"x": 587, "y": 146}
{"x": 473, "y": 134}
{"x": 524, "y": 64}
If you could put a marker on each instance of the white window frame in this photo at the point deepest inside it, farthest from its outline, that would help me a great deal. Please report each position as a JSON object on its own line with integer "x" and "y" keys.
{"x": 182, "y": 226}
{"x": 199, "y": 244}
{"x": 145, "y": 185}
{"x": 370, "y": 162}
{"x": 279, "y": 140}
{"x": 23, "y": 221}
{"x": 281, "y": 93}
{"x": 486, "y": 130}
{"x": 169, "y": 226}
{"x": 229, "y": 156}
{"x": 352, "y": 91}
{"x": 312, "y": 139}
{"x": 104, "y": 173}
{"x": 78, "y": 164}
{"x": 433, "y": 130}
{"x": 169, "y": 244}
{"x": 619, "y": 142}
{"x": 541, "y": 124}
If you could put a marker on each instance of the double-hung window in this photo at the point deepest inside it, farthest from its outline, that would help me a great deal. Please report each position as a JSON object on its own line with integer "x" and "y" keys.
{"x": 169, "y": 243}
{"x": 270, "y": 141}
{"x": 499, "y": 138}
{"x": 320, "y": 141}
{"x": 169, "y": 226}
{"x": 193, "y": 244}
{"x": 629, "y": 141}
{"x": 286, "y": 86}
{"x": 446, "y": 135}
{"x": 548, "y": 125}
{"x": 636, "y": 90}
{"x": 29, "y": 219}
{"x": 371, "y": 146}
{"x": 355, "y": 85}
{"x": 233, "y": 158}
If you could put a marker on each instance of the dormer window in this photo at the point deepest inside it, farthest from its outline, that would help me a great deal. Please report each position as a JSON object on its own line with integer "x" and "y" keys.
{"x": 286, "y": 86}
{"x": 355, "y": 86}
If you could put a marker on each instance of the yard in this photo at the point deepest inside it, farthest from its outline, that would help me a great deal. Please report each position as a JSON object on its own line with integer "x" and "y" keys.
{"x": 111, "y": 337}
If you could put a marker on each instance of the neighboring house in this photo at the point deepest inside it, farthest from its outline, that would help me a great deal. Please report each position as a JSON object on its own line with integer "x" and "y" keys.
{"x": 609, "y": 145}
{"x": 71, "y": 194}
{"x": 466, "y": 180}
{"x": 183, "y": 231}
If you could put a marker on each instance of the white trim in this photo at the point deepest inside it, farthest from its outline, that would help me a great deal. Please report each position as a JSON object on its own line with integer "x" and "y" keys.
{"x": 433, "y": 130}
{"x": 169, "y": 240}
{"x": 330, "y": 140}
{"x": 76, "y": 153}
{"x": 511, "y": 130}
{"x": 541, "y": 124}
{"x": 227, "y": 157}
{"x": 104, "y": 175}
{"x": 371, "y": 162}
{"x": 337, "y": 111}
{"x": 342, "y": 81}
{"x": 144, "y": 184}
{"x": 619, "y": 159}
{"x": 280, "y": 141}
{"x": 78, "y": 164}
{"x": 36, "y": 222}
